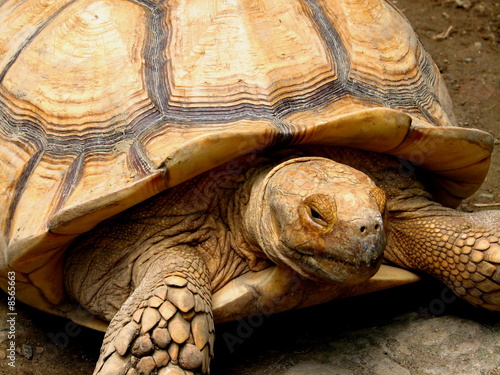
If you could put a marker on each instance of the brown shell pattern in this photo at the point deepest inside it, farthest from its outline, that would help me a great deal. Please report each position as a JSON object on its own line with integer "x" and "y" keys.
{"x": 105, "y": 103}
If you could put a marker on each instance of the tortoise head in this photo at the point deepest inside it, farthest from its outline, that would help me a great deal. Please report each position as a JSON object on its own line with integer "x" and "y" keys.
{"x": 321, "y": 218}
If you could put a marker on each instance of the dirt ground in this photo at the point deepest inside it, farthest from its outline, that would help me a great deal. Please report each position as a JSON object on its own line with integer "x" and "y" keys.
{"x": 416, "y": 329}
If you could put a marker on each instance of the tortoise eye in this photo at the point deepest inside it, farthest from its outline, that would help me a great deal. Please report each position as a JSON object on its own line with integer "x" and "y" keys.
{"x": 316, "y": 216}
{"x": 320, "y": 209}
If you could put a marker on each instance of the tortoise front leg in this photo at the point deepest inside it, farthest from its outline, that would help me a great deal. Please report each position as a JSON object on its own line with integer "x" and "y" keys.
{"x": 460, "y": 249}
{"x": 166, "y": 325}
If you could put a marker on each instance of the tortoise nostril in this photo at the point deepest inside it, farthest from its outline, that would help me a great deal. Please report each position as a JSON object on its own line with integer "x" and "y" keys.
{"x": 366, "y": 229}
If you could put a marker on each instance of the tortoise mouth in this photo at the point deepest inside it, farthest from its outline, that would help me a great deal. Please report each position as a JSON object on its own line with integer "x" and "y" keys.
{"x": 345, "y": 267}
{"x": 326, "y": 257}
{"x": 333, "y": 269}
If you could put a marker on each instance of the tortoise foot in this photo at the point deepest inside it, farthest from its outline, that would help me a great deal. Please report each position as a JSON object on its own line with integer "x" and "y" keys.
{"x": 460, "y": 249}
{"x": 169, "y": 332}
{"x": 477, "y": 275}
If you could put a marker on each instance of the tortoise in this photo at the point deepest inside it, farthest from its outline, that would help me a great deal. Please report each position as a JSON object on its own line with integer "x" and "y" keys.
{"x": 168, "y": 165}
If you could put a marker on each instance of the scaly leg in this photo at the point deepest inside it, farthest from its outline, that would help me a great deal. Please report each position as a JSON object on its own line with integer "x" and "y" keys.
{"x": 460, "y": 249}
{"x": 166, "y": 325}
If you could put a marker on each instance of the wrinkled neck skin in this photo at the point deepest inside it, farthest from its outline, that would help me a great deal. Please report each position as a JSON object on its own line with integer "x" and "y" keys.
{"x": 229, "y": 216}
{"x": 104, "y": 265}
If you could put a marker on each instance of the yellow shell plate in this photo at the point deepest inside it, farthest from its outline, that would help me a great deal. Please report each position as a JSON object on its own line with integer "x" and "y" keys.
{"x": 106, "y": 103}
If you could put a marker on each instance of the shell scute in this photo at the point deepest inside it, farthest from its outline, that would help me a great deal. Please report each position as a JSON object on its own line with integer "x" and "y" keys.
{"x": 106, "y": 103}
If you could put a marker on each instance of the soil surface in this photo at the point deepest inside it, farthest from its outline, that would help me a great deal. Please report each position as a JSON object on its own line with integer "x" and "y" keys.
{"x": 416, "y": 329}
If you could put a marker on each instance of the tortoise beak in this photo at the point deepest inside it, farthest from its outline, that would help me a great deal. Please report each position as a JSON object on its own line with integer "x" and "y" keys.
{"x": 348, "y": 253}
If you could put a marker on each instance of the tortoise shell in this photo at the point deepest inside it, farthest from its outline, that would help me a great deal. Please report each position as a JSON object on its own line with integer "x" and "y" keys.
{"x": 105, "y": 103}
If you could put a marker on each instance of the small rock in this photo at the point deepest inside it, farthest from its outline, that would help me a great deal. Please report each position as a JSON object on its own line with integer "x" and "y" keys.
{"x": 466, "y": 207}
{"x": 387, "y": 366}
{"x": 480, "y": 10}
{"x": 316, "y": 368}
{"x": 487, "y": 197}
{"x": 3, "y": 354}
{"x": 27, "y": 351}
{"x": 3, "y": 335}
{"x": 39, "y": 350}
{"x": 468, "y": 59}
{"x": 466, "y": 4}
